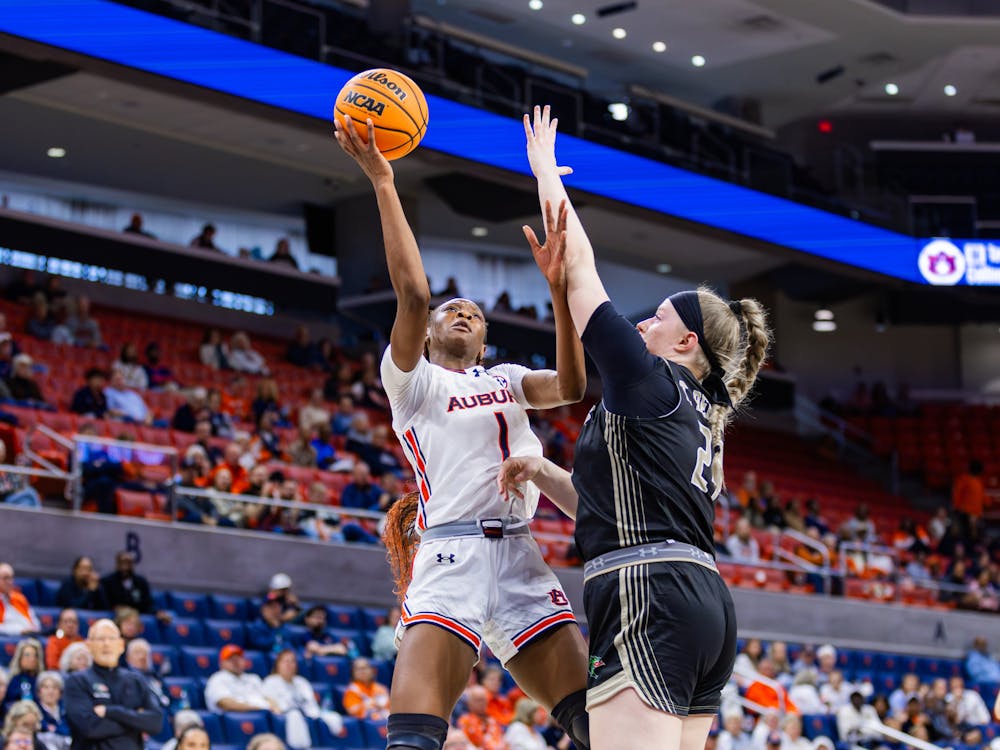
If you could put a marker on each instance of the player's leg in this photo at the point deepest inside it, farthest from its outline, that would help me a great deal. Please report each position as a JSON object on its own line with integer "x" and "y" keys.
{"x": 694, "y": 731}
{"x": 432, "y": 669}
{"x": 552, "y": 669}
{"x": 626, "y": 722}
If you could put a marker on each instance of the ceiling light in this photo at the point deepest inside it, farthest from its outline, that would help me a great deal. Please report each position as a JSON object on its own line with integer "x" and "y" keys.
{"x": 698, "y": 61}
{"x": 535, "y": 4}
{"x": 824, "y": 326}
{"x": 579, "y": 19}
{"x": 480, "y": 231}
{"x": 950, "y": 90}
{"x": 824, "y": 314}
{"x": 891, "y": 89}
{"x": 618, "y": 33}
{"x": 56, "y": 152}
{"x": 619, "y": 111}
{"x": 659, "y": 46}
{"x": 664, "y": 268}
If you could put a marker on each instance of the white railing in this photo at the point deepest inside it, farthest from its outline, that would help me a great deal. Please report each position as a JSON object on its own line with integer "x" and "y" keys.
{"x": 898, "y": 736}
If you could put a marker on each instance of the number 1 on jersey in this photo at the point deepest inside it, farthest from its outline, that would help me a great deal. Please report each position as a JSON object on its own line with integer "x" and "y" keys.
{"x": 504, "y": 440}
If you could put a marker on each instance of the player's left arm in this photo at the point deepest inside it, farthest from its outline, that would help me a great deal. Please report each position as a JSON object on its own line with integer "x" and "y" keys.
{"x": 545, "y": 389}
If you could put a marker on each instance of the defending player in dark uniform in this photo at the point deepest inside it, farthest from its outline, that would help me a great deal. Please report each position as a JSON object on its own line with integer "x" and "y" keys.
{"x": 648, "y": 469}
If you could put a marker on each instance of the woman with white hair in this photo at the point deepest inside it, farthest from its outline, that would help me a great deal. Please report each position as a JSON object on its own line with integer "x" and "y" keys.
{"x": 48, "y": 698}
{"x": 523, "y": 734}
{"x": 75, "y": 658}
{"x": 296, "y": 700}
{"x": 791, "y": 736}
{"x": 25, "y": 718}
{"x": 184, "y": 720}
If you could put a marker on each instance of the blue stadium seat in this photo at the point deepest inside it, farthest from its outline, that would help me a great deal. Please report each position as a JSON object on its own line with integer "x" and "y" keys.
{"x": 888, "y": 662}
{"x": 8, "y": 643}
{"x": 199, "y": 661}
{"x": 89, "y": 616}
{"x": 348, "y": 618}
{"x": 47, "y": 589}
{"x": 952, "y": 667}
{"x": 220, "y": 632}
{"x": 327, "y": 697}
{"x": 213, "y": 726}
{"x": 357, "y": 637}
{"x": 819, "y": 724}
{"x": 384, "y": 669}
{"x": 864, "y": 660}
{"x": 886, "y": 681}
{"x": 375, "y": 732}
{"x": 373, "y": 617}
{"x": 48, "y": 616}
{"x": 335, "y": 670}
{"x": 161, "y": 602}
{"x": 991, "y": 731}
{"x": 908, "y": 664}
{"x": 181, "y": 690}
{"x": 187, "y": 604}
{"x": 183, "y": 631}
{"x": 258, "y": 662}
{"x": 151, "y": 629}
{"x": 225, "y": 607}
{"x": 352, "y": 737}
{"x": 845, "y": 658}
{"x": 161, "y": 654}
{"x": 239, "y": 727}
{"x": 29, "y": 588}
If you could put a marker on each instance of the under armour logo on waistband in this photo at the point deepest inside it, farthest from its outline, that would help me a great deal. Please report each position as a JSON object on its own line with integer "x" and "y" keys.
{"x": 442, "y": 558}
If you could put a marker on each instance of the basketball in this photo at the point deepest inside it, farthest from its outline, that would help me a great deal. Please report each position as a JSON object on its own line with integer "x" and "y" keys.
{"x": 395, "y": 104}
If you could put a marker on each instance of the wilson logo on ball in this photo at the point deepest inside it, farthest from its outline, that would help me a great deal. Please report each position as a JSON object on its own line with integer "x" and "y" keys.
{"x": 394, "y": 104}
{"x": 382, "y": 79}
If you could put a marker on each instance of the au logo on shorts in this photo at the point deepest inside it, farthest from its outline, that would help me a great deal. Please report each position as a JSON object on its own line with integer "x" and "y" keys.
{"x": 558, "y": 598}
{"x": 443, "y": 558}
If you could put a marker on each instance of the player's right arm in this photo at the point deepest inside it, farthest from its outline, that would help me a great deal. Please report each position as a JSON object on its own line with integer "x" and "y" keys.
{"x": 553, "y": 481}
{"x": 406, "y": 270}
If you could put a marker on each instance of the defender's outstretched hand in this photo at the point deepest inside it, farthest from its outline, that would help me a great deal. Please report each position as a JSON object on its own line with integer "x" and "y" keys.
{"x": 514, "y": 472}
{"x": 551, "y": 256}
{"x": 366, "y": 154}
{"x": 541, "y": 137}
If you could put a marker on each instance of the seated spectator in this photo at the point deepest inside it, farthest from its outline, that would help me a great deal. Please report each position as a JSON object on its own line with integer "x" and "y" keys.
{"x": 300, "y": 451}
{"x": 129, "y": 622}
{"x": 205, "y": 239}
{"x": 826, "y": 661}
{"x": 523, "y": 734}
{"x": 836, "y": 692}
{"x": 979, "y": 665}
{"x": 239, "y": 479}
{"x": 134, "y": 226}
{"x": 234, "y": 689}
{"x": 283, "y": 254}
{"x": 86, "y": 331}
{"x": 25, "y": 666}
{"x": 22, "y": 384}
{"x": 852, "y": 719}
{"x": 803, "y": 693}
{"x": 860, "y": 526}
{"x": 203, "y": 439}
{"x": 266, "y": 399}
{"x": 269, "y": 633}
{"x": 778, "y": 654}
{"x": 15, "y": 490}
{"x": 968, "y": 705}
{"x": 365, "y": 698}
{"x": 124, "y": 402}
{"x": 187, "y": 726}
{"x": 243, "y": 358}
{"x": 392, "y": 490}
{"x": 48, "y": 698}
{"x": 769, "y": 695}
{"x": 339, "y": 383}
{"x": 314, "y": 413}
{"x": 482, "y": 729}
{"x": 322, "y": 446}
{"x": 361, "y": 492}
{"x": 265, "y": 742}
{"x": 359, "y": 436}
{"x": 367, "y": 390}
{"x": 378, "y": 454}
{"x": 451, "y": 290}
{"x": 40, "y": 322}
{"x": 102, "y": 471}
{"x": 767, "y": 724}
{"x": 75, "y": 658}
{"x": 266, "y": 443}
{"x": 82, "y": 590}
{"x": 131, "y": 369}
{"x": 733, "y": 736}
{"x": 89, "y": 399}
{"x": 499, "y": 706}
{"x": 213, "y": 351}
{"x": 384, "y": 640}
{"x": 221, "y": 418}
{"x": 317, "y": 640}
{"x": 67, "y": 633}
{"x": 342, "y": 420}
{"x": 791, "y": 735}
{"x": 61, "y": 333}
{"x": 281, "y": 586}
{"x": 295, "y": 700}
{"x": 126, "y": 588}
{"x": 908, "y": 688}
{"x": 107, "y": 701}
{"x": 158, "y": 374}
{"x": 814, "y": 518}
{"x": 748, "y": 659}
{"x": 7, "y": 354}
{"x": 139, "y": 658}
{"x": 304, "y": 352}
{"x": 24, "y": 720}
{"x": 741, "y": 544}
{"x": 194, "y": 409}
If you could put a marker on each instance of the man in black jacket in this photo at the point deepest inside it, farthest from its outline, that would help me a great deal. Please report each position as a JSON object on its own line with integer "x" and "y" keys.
{"x": 126, "y": 588}
{"x": 109, "y": 707}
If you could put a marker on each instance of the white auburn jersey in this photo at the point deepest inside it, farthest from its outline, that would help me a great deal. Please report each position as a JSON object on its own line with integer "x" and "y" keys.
{"x": 456, "y": 428}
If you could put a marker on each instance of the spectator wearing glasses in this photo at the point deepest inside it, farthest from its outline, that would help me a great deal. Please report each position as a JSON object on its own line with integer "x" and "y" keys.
{"x": 67, "y": 632}
{"x": 49, "y": 690}
{"x": 21, "y": 724}
{"x": 107, "y": 706}
{"x": 16, "y": 615}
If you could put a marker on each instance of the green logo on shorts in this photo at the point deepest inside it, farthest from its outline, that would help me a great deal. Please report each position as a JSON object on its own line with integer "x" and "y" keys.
{"x": 596, "y": 662}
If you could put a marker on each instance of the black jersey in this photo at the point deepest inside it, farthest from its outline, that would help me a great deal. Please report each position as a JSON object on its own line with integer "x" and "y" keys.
{"x": 643, "y": 479}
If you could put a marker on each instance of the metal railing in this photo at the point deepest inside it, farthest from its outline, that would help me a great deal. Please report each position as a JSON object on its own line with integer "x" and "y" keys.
{"x": 896, "y": 735}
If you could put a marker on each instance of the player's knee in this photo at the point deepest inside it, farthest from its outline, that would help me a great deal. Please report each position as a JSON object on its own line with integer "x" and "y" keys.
{"x": 571, "y": 713}
{"x": 415, "y": 732}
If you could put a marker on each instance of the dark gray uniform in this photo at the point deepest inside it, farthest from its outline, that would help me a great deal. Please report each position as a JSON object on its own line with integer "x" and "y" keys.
{"x": 131, "y": 709}
{"x": 643, "y": 475}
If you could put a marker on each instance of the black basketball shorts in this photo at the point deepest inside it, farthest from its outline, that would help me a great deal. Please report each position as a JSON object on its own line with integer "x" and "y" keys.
{"x": 667, "y": 629}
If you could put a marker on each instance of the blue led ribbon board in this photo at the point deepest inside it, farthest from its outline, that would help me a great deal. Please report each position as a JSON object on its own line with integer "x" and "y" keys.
{"x": 159, "y": 45}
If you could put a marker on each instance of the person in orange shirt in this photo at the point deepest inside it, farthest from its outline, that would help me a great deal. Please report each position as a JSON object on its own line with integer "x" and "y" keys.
{"x": 67, "y": 632}
{"x": 365, "y": 698}
{"x": 968, "y": 499}
{"x": 16, "y": 614}
{"x": 748, "y": 492}
{"x": 768, "y": 695}
{"x": 499, "y": 706}
{"x": 482, "y": 729}
{"x": 231, "y": 461}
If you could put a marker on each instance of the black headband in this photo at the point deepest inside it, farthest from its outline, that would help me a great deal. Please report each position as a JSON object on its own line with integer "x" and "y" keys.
{"x": 688, "y": 308}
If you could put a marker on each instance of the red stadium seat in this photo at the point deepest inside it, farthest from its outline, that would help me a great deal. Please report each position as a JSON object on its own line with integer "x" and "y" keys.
{"x": 132, "y": 503}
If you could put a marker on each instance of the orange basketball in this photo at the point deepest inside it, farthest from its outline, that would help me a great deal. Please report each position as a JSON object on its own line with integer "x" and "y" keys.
{"x": 393, "y": 102}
